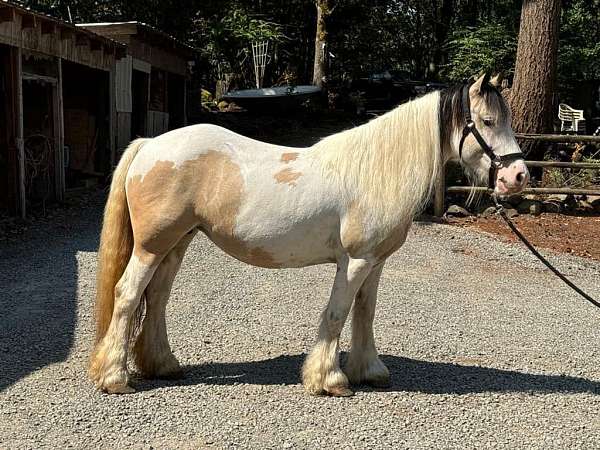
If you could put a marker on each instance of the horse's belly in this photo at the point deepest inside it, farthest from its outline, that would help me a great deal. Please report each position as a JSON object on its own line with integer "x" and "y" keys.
{"x": 299, "y": 246}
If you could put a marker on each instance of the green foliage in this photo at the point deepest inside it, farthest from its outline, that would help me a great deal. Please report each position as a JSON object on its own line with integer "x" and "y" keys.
{"x": 225, "y": 42}
{"x": 250, "y": 29}
{"x": 443, "y": 39}
{"x": 579, "y": 51}
{"x": 490, "y": 47}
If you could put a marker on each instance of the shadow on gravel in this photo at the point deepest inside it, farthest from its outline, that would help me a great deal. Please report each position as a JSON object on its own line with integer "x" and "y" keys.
{"x": 38, "y": 293}
{"x": 408, "y": 375}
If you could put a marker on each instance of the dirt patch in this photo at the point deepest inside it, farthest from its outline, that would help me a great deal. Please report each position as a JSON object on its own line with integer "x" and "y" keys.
{"x": 576, "y": 235}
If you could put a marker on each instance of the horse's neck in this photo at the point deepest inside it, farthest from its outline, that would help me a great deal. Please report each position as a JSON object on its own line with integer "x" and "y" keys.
{"x": 388, "y": 165}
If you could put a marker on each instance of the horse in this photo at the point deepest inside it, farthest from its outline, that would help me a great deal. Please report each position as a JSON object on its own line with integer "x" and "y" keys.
{"x": 348, "y": 200}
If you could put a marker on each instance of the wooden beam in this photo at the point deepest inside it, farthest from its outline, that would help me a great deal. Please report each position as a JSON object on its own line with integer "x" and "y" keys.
{"x": 28, "y": 21}
{"x": 7, "y": 14}
{"x": 561, "y": 138}
{"x": 439, "y": 197}
{"x": 544, "y": 191}
{"x": 95, "y": 45}
{"x": 185, "y": 117}
{"x": 59, "y": 135}
{"x": 82, "y": 40}
{"x": 112, "y": 116}
{"x": 107, "y": 51}
{"x": 36, "y": 77}
{"x": 66, "y": 33}
{"x": 48, "y": 27}
{"x": 568, "y": 165}
{"x": 120, "y": 52}
{"x": 18, "y": 64}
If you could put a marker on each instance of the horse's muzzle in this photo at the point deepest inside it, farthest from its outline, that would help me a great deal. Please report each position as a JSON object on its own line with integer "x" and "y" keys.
{"x": 512, "y": 179}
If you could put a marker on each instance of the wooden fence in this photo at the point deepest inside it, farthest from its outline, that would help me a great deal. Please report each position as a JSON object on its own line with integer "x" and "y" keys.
{"x": 441, "y": 189}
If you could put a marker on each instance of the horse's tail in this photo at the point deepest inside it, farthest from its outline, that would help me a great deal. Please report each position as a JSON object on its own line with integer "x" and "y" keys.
{"x": 116, "y": 241}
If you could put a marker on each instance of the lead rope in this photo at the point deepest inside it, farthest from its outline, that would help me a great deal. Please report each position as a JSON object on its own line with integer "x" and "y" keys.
{"x": 502, "y": 213}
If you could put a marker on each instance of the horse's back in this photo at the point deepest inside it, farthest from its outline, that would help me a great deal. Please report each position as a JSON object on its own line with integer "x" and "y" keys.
{"x": 263, "y": 204}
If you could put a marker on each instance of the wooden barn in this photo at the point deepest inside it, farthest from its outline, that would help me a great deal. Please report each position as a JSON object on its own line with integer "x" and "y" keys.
{"x": 150, "y": 82}
{"x": 57, "y": 123}
{"x": 73, "y": 96}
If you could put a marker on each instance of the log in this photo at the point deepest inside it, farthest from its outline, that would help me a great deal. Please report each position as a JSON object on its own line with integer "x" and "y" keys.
{"x": 467, "y": 189}
{"x": 569, "y": 165}
{"x": 560, "y": 138}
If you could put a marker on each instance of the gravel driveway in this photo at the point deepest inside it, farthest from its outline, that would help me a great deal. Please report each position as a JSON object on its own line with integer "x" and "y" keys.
{"x": 485, "y": 350}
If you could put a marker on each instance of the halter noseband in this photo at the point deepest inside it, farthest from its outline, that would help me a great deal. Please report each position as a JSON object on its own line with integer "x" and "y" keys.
{"x": 497, "y": 161}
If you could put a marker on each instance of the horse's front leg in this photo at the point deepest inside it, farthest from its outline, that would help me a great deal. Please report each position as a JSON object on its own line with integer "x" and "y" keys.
{"x": 321, "y": 372}
{"x": 363, "y": 363}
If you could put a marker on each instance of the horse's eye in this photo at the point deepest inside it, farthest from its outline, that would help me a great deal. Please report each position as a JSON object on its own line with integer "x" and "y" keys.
{"x": 488, "y": 122}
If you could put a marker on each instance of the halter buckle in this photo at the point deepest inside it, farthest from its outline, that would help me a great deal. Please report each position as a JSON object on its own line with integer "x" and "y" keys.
{"x": 497, "y": 162}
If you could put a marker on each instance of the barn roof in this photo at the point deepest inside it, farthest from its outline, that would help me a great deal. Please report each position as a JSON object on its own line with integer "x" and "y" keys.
{"x": 143, "y": 31}
{"x": 8, "y": 8}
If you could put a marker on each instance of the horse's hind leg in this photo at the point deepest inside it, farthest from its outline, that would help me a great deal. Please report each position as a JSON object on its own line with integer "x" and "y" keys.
{"x": 109, "y": 365}
{"x": 152, "y": 353}
{"x": 363, "y": 363}
{"x": 321, "y": 372}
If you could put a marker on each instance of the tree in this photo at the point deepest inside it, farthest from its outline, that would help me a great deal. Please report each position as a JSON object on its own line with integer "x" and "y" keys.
{"x": 579, "y": 49}
{"x": 324, "y": 8}
{"x": 490, "y": 48}
{"x": 534, "y": 83}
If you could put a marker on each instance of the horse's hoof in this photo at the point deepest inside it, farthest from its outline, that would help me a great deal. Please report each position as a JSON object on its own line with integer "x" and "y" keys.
{"x": 340, "y": 391}
{"x": 119, "y": 389}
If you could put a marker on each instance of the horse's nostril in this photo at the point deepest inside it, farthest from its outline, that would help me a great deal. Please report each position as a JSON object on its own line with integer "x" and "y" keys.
{"x": 520, "y": 177}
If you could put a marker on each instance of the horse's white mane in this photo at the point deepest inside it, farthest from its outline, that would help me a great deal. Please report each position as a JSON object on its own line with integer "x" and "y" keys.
{"x": 389, "y": 164}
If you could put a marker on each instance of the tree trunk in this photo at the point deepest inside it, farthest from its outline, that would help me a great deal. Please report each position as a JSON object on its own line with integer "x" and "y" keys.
{"x": 533, "y": 87}
{"x": 320, "y": 68}
{"x": 441, "y": 27}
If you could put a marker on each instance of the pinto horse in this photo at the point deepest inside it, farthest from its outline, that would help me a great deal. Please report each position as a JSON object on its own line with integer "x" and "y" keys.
{"x": 348, "y": 200}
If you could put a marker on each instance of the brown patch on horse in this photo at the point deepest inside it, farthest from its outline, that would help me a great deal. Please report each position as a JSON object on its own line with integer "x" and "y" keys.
{"x": 352, "y": 232}
{"x": 256, "y": 256}
{"x": 156, "y": 206}
{"x": 392, "y": 242}
{"x": 354, "y": 239}
{"x": 289, "y": 157}
{"x": 287, "y": 176}
{"x": 204, "y": 193}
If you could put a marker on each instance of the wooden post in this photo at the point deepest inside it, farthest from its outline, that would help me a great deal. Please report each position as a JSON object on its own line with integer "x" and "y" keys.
{"x": 149, "y": 125}
{"x": 59, "y": 134}
{"x": 112, "y": 120}
{"x": 439, "y": 193}
{"x": 185, "y": 118}
{"x": 20, "y": 137}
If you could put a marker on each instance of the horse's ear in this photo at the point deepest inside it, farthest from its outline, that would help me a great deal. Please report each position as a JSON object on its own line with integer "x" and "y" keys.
{"x": 496, "y": 80}
{"x": 480, "y": 83}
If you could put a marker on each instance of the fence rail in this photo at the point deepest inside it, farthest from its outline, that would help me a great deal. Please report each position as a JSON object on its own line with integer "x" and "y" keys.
{"x": 573, "y": 191}
{"x": 568, "y": 165}
{"x": 441, "y": 189}
{"x": 564, "y": 138}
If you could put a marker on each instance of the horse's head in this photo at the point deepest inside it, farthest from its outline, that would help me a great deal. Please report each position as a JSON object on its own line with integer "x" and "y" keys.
{"x": 476, "y": 129}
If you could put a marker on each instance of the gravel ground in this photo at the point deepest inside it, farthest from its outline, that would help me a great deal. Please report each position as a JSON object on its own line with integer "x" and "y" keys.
{"x": 485, "y": 350}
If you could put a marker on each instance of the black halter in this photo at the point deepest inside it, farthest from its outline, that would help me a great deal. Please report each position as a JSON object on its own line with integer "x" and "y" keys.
{"x": 470, "y": 128}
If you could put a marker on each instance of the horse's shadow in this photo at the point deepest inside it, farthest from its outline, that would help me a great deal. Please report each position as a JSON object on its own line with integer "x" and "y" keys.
{"x": 408, "y": 375}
